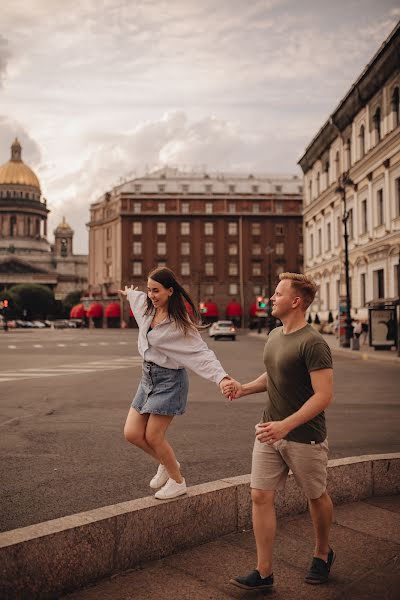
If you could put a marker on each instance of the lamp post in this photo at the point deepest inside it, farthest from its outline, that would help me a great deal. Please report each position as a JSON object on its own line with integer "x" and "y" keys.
{"x": 343, "y": 182}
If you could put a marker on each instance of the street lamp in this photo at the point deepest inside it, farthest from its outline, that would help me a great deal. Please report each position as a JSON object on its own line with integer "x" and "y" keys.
{"x": 343, "y": 182}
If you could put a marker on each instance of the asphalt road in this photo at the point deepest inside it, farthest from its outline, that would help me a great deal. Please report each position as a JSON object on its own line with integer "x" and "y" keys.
{"x": 64, "y": 396}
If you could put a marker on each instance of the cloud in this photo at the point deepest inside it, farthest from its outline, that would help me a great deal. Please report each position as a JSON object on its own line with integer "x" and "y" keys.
{"x": 9, "y": 130}
{"x": 4, "y": 56}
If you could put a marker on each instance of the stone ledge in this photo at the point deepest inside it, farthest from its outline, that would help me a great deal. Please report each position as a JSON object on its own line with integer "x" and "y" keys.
{"x": 55, "y": 557}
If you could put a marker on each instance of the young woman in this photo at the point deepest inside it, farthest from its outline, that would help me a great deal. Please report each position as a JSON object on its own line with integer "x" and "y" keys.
{"x": 168, "y": 341}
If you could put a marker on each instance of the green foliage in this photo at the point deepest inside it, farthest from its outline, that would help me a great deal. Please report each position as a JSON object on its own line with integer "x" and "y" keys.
{"x": 32, "y": 301}
{"x": 69, "y": 301}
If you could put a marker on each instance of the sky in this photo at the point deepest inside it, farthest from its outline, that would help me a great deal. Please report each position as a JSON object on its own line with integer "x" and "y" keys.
{"x": 100, "y": 91}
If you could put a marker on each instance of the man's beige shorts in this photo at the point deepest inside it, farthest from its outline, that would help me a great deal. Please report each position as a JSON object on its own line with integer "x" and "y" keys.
{"x": 308, "y": 462}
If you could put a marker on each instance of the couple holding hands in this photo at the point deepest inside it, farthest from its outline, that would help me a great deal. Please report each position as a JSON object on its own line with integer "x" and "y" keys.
{"x": 292, "y": 433}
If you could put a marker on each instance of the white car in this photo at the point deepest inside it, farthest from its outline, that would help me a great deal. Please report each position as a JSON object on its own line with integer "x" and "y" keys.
{"x": 221, "y": 329}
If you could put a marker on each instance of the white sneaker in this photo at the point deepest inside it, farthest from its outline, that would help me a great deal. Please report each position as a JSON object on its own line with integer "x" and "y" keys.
{"x": 171, "y": 489}
{"x": 160, "y": 478}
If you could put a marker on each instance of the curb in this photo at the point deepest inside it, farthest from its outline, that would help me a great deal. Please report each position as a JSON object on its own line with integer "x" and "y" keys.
{"x": 59, "y": 556}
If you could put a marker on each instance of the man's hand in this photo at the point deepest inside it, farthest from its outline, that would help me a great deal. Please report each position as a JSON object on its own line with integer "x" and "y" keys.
{"x": 229, "y": 387}
{"x": 269, "y": 433}
{"x": 126, "y": 290}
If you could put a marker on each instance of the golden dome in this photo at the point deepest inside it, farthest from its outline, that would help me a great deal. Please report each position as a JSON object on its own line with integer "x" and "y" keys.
{"x": 16, "y": 172}
{"x": 63, "y": 226}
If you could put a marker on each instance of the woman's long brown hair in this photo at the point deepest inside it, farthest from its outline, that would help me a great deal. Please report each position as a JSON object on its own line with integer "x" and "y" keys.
{"x": 176, "y": 305}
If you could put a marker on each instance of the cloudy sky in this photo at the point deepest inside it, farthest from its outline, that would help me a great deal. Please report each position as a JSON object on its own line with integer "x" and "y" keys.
{"x": 100, "y": 90}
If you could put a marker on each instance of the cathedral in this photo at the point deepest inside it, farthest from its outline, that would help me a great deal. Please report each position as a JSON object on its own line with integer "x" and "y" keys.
{"x": 26, "y": 256}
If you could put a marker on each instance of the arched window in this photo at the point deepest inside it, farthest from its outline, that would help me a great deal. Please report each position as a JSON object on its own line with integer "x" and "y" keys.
{"x": 348, "y": 153}
{"x": 310, "y": 190}
{"x": 337, "y": 165}
{"x": 37, "y": 233}
{"x": 377, "y": 124}
{"x": 318, "y": 184}
{"x": 395, "y": 107}
{"x": 361, "y": 139}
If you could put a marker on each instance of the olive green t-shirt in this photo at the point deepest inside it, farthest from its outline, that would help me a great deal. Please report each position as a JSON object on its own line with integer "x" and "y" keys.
{"x": 289, "y": 359}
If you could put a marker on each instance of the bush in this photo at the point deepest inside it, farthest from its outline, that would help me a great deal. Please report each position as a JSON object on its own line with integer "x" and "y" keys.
{"x": 32, "y": 301}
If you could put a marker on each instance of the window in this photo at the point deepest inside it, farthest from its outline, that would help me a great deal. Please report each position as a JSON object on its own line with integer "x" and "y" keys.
{"x": 233, "y": 269}
{"x": 231, "y": 189}
{"x": 137, "y": 247}
{"x": 256, "y": 228}
{"x": 185, "y": 248}
{"x": 254, "y": 189}
{"x": 185, "y": 188}
{"x": 337, "y": 164}
{"x": 361, "y": 141}
{"x": 256, "y": 269}
{"x": 279, "y": 248}
{"x": 137, "y": 268}
{"x": 279, "y": 230}
{"x": 137, "y": 229}
{"x": 364, "y": 217}
{"x": 397, "y": 195}
{"x": 161, "y": 228}
{"x": 209, "y": 228}
{"x": 256, "y": 250}
{"x": 328, "y": 237}
{"x": 185, "y": 208}
{"x": 379, "y": 284}
{"x": 108, "y": 233}
{"x": 318, "y": 184}
{"x": 185, "y": 269}
{"x": 311, "y": 245}
{"x": 231, "y": 207}
{"x": 209, "y": 248}
{"x": 138, "y": 187}
{"x": 278, "y": 188}
{"x": 338, "y": 231}
{"x": 255, "y": 207}
{"x": 233, "y": 249}
{"x": 363, "y": 295}
{"x": 161, "y": 264}
{"x": 161, "y": 207}
{"x": 348, "y": 153}
{"x": 319, "y": 241}
{"x": 232, "y": 228}
{"x": 379, "y": 207}
{"x": 310, "y": 190}
{"x": 377, "y": 124}
{"x": 209, "y": 268}
{"x": 209, "y": 290}
{"x": 108, "y": 251}
{"x": 161, "y": 248}
{"x": 137, "y": 207}
{"x": 278, "y": 208}
{"x": 185, "y": 228}
{"x": 327, "y": 295}
{"x": 209, "y": 208}
{"x": 208, "y": 188}
{"x": 161, "y": 188}
{"x": 350, "y": 225}
{"x": 395, "y": 107}
{"x": 257, "y": 290}
{"x": 233, "y": 289}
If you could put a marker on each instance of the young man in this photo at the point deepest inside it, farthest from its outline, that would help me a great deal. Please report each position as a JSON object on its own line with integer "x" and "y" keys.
{"x": 293, "y": 434}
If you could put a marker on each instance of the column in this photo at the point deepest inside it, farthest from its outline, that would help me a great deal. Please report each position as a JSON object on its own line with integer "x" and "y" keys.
{"x": 386, "y": 197}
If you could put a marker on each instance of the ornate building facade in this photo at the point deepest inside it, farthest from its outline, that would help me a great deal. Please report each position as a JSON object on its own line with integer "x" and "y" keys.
{"x": 361, "y": 138}
{"x": 226, "y": 236}
{"x": 26, "y": 256}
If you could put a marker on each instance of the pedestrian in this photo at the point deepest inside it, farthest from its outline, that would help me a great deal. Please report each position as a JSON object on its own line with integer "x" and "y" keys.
{"x": 168, "y": 341}
{"x": 357, "y": 329}
{"x": 292, "y": 434}
{"x": 364, "y": 326}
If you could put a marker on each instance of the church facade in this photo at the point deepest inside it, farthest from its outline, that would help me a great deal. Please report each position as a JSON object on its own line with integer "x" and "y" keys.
{"x": 26, "y": 256}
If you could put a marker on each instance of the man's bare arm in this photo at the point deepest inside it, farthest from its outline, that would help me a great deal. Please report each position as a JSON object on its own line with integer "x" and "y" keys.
{"x": 253, "y": 387}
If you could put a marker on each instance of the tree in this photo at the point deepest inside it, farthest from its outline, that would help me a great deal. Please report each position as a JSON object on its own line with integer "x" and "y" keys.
{"x": 316, "y": 320}
{"x": 330, "y": 317}
{"x": 32, "y": 301}
{"x": 69, "y": 301}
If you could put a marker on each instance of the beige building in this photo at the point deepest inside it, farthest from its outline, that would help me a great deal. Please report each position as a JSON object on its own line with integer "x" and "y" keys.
{"x": 26, "y": 256}
{"x": 361, "y": 137}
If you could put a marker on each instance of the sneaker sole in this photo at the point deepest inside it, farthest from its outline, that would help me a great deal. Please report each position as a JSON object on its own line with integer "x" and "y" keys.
{"x": 171, "y": 497}
{"x": 242, "y": 586}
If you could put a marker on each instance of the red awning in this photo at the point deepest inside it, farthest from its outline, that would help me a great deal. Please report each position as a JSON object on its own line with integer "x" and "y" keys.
{"x": 253, "y": 310}
{"x": 212, "y": 309}
{"x": 234, "y": 309}
{"x": 77, "y": 312}
{"x": 113, "y": 310}
{"x": 95, "y": 310}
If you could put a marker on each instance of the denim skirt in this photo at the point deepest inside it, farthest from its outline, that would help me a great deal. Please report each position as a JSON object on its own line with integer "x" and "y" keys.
{"x": 161, "y": 391}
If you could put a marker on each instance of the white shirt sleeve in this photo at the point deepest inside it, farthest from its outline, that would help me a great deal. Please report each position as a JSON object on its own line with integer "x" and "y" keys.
{"x": 137, "y": 301}
{"x": 192, "y": 352}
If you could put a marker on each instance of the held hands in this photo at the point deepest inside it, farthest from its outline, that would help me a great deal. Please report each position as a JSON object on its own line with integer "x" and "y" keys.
{"x": 230, "y": 388}
{"x": 126, "y": 290}
{"x": 269, "y": 433}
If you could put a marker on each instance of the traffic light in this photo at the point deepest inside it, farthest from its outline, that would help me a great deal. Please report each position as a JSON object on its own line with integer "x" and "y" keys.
{"x": 203, "y": 308}
{"x": 261, "y": 304}
{"x": 5, "y": 303}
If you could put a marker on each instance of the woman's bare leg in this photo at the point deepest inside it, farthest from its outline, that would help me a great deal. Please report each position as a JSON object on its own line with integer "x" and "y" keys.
{"x": 135, "y": 429}
{"x": 156, "y": 428}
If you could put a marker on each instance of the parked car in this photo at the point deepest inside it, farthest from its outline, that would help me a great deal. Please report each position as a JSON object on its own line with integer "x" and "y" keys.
{"x": 38, "y": 324}
{"x": 61, "y": 324}
{"x": 222, "y": 329}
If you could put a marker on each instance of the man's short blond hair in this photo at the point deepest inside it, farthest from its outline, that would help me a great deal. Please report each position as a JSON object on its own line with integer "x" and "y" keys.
{"x": 304, "y": 285}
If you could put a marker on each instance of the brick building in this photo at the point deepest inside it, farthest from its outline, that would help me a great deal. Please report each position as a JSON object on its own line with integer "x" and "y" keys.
{"x": 227, "y": 237}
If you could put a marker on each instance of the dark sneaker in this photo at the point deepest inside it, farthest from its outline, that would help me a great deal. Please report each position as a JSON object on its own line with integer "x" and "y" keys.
{"x": 254, "y": 581}
{"x": 319, "y": 570}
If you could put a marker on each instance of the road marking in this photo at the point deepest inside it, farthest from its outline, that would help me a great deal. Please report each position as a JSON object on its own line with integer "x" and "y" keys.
{"x": 122, "y": 343}
{"x": 83, "y": 344}
{"x": 61, "y": 345}
{"x": 12, "y": 347}
{"x": 37, "y": 346}
{"x": 103, "y": 344}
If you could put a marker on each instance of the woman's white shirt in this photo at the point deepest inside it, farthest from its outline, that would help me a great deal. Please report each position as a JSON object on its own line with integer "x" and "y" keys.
{"x": 167, "y": 346}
